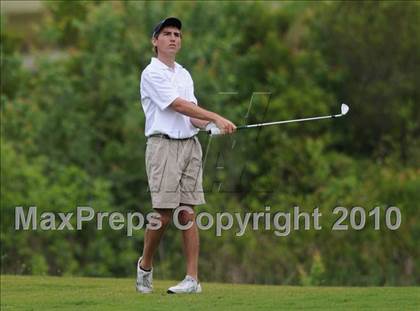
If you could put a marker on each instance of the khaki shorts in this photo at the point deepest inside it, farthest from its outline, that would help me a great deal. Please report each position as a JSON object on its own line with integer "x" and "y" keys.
{"x": 174, "y": 171}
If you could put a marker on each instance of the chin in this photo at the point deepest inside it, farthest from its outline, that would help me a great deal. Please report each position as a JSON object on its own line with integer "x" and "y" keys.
{"x": 173, "y": 51}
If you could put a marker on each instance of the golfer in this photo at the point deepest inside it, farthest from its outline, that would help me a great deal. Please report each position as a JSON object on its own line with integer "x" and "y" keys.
{"x": 173, "y": 152}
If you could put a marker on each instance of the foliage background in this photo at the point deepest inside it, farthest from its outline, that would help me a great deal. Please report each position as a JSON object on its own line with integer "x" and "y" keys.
{"x": 72, "y": 134}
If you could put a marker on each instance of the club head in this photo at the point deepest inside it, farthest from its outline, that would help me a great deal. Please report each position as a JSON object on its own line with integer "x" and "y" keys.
{"x": 344, "y": 109}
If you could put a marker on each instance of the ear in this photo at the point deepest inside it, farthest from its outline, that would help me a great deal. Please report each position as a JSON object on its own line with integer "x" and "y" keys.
{"x": 154, "y": 41}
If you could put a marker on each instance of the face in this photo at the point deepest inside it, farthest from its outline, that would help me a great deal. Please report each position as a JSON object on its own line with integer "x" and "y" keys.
{"x": 168, "y": 41}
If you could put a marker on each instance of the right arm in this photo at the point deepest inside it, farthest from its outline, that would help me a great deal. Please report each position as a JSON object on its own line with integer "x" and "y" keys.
{"x": 193, "y": 111}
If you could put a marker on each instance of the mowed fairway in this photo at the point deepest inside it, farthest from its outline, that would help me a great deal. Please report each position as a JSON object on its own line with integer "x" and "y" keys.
{"x": 67, "y": 293}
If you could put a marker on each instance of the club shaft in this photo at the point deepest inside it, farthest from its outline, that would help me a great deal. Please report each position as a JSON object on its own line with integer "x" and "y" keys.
{"x": 242, "y": 127}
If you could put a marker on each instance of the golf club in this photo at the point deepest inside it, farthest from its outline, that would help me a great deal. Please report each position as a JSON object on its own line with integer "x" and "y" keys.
{"x": 344, "y": 110}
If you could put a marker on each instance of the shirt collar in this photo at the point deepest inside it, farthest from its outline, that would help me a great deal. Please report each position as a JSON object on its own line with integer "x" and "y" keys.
{"x": 158, "y": 64}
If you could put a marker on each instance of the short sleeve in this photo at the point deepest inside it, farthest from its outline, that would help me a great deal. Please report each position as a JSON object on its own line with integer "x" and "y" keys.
{"x": 159, "y": 89}
{"x": 193, "y": 98}
{"x": 191, "y": 89}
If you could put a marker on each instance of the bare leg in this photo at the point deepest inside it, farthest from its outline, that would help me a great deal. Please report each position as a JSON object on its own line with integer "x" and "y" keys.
{"x": 152, "y": 238}
{"x": 191, "y": 243}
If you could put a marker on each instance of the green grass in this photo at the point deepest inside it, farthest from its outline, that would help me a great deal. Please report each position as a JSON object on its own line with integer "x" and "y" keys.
{"x": 66, "y": 293}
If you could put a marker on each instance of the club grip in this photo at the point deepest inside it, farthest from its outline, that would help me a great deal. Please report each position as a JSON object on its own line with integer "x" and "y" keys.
{"x": 214, "y": 131}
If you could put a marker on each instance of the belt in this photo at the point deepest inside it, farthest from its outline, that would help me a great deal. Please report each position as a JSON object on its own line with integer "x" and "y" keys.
{"x": 168, "y": 137}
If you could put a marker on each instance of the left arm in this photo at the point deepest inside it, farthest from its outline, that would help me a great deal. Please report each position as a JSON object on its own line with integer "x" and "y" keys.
{"x": 199, "y": 122}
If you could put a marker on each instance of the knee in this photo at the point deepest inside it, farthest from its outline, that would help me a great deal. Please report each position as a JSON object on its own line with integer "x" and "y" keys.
{"x": 184, "y": 217}
{"x": 165, "y": 218}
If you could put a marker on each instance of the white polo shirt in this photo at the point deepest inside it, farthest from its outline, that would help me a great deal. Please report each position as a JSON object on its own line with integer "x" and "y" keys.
{"x": 160, "y": 85}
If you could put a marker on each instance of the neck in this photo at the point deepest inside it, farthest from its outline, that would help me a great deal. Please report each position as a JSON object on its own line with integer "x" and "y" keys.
{"x": 168, "y": 60}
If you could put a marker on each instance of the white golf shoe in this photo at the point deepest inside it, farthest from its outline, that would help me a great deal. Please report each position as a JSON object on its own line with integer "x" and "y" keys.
{"x": 144, "y": 280}
{"x": 187, "y": 286}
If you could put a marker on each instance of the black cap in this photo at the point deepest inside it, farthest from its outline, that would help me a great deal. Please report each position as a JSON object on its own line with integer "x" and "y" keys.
{"x": 170, "y": 21}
